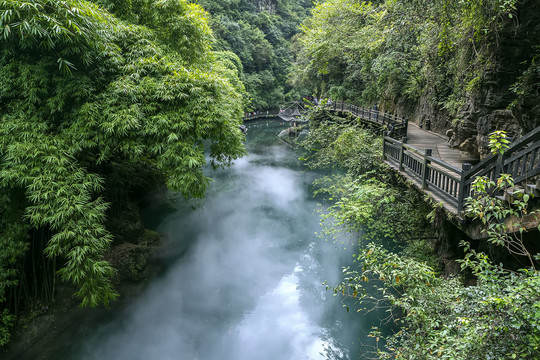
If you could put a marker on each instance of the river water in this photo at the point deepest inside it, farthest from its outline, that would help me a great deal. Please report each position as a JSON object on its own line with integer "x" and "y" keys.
{"x": 248, "y": 283}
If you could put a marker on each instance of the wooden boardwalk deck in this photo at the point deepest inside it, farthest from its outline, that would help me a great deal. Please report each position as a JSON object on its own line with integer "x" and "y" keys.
{"x": 422, "y": 139}
{"x": 436, "y": 169}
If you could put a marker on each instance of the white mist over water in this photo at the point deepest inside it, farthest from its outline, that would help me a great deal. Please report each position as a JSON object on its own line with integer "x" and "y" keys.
{"x": 249, "y": 288}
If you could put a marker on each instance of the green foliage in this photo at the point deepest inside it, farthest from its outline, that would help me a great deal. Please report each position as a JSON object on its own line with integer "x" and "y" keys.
{"x": 498, "y": 318}
{"x": 442, "y": 318}
{"x": 13, "y": 236}
{"x": 367, "y": 206}
{"x": 6, "y": 321}
{"x": 85, "y": 96}
{"x": 503, "y": 222}
{"x": 401, "y": 50}
{"x": 527, "y": 86}
{"x": 336, "y": 143}
{"x": 259, "y": 33}
{"x": 362, "y": 202}
{"x": 423, "y": 250}
{"x": 498, "y": 143}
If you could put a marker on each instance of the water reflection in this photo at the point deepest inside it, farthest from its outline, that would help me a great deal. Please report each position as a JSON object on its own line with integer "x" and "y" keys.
{"x": 249, "y": 286}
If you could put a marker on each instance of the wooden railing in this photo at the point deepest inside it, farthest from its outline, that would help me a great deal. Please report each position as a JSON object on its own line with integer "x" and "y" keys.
{"x": 432, "y": 175}
{"x": 396, "y": 126}
{"x": 521, "y": 160}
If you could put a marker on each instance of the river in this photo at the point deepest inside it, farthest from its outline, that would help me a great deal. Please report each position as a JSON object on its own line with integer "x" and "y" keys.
{"x": 248, "y": 283}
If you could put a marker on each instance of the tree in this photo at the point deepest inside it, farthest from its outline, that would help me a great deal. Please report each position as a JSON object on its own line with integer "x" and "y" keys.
{"x": 259, "y": 33}
{"x": 441, "y": 318}
{"x": 84, "y": 95}
{"x": 362, "y": 201}
{"x": 495, "y": 213}
{"x": 391, "y": 51}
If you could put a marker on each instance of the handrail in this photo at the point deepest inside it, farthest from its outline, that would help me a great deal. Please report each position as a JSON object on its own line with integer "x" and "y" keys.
{"x": 397, "y": 127}
{"x": 521, "y": 160}
{"x": 431, "y": 174}
{"x": 260, "y": 114}
{"x": 516, "y": 145}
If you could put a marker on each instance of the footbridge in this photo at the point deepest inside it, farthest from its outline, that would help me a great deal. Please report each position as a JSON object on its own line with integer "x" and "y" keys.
{"x": 426, "y": 159}
{"x": 290, "y": 112}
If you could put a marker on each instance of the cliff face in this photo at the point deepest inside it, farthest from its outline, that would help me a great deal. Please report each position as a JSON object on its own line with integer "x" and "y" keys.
{"x": 494, "y": 106}
{"x": 266, "y": 5}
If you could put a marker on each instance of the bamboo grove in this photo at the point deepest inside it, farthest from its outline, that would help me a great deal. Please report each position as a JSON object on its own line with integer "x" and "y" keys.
{"x": 94, "y": 103}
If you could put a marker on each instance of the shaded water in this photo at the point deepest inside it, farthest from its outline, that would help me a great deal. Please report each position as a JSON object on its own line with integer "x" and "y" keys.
{"x": 249, "y": 284}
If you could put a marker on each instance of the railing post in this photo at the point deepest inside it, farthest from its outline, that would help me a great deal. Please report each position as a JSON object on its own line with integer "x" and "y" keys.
{"x": 403, "y": 142}
{"x": 425, "y": 168}
{"x": 406, "y": 122}
{"x": 384, "y": 148}
{"x": 461, "y": 192}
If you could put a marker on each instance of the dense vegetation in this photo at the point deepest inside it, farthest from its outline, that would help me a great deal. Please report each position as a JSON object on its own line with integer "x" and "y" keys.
{"x": 260, "y": 33}
{"x": 463, "y": 67}
{"x": 367, "y": 198}
{"x": 384, "y": 51}
{"x": 94, "y": 105}
{"x": 446, "y": 58}
{"x": 102, "y": 99}
{"x": 491, "y": 312}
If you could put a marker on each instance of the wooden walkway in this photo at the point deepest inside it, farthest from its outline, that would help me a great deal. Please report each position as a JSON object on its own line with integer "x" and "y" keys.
{"x": 439, "y": 171}
{"x": 447, "y": 178}
{"x": 426, "y": 159}
{"x": 422, "y": 140}
{"x": 451, "y": 185}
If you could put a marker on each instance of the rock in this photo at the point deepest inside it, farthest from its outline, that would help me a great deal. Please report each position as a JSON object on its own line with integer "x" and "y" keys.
{"x": 500, "y": 119}
{"x": 451, "y": 266}
{"x": 284, "y": 133}
{"x": 129, "y": 260}
{"x": 126, "y": 226}
{"x": 469, "y": 146}
{"x": 149, "y": 238}
{"x": 486, "y": 107}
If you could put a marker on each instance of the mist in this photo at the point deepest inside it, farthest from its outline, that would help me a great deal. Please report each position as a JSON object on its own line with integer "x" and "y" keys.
{"x": 249, "y": 286}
